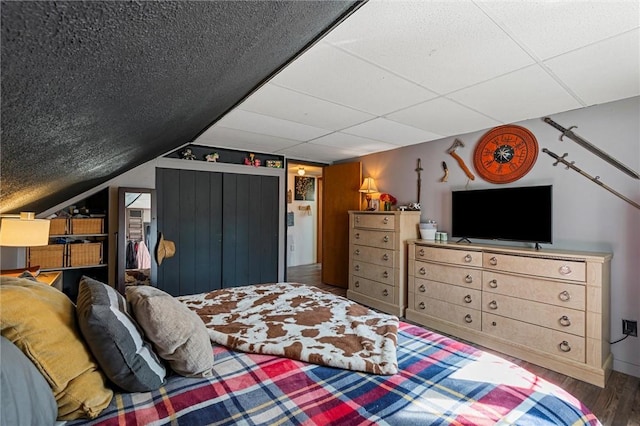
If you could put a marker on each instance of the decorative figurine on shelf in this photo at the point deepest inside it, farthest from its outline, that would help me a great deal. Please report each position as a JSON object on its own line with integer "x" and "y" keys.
{"x": 413, "y": 207}
{"x": 388, "y": 200}
{"x": 187, "y": 154}
{"x": 252, "y": 160}
{"x": 212, "y": 158}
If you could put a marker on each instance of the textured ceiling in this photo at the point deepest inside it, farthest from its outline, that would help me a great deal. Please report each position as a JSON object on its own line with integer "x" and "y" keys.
{"x": 398, "y": 73}
{"x": 92, "y": 89}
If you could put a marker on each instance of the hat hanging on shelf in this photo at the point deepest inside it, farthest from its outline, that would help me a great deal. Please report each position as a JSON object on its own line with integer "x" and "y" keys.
{"x": 164, "y": 249}
{"x": 301, "y": 171}
{"x": 368, "y": 187}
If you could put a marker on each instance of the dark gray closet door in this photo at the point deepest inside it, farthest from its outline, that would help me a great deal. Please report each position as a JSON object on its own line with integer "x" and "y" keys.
{"x": 224, "y": 226}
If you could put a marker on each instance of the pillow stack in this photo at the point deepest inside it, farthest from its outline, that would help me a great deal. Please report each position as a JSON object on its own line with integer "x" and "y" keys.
{"x": 41, "y": 322}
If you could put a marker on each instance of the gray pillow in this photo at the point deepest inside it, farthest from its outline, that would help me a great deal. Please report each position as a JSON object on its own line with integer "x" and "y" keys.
{"x": 115, "y": 339}
{"x": 27, "y": 398}
{"x": 178, "y": 334}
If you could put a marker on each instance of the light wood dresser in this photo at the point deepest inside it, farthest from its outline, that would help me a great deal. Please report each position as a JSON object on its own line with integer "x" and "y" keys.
{"x": 378, "y": 258}
{"x": 548, "y": 307}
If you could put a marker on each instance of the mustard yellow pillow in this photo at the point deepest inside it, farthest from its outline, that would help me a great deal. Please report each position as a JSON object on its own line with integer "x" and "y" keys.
{"x": 41, "y": 322}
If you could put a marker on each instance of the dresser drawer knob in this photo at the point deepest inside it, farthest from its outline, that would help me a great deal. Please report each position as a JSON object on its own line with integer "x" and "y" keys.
{"x": 468, "y": 279}
{"x": 386, "y": 239}
{"x": 357, "y": 252}
{"x": 468, "y": 258}
{"x": 565, "y": 321}
{"x": 565, "y": 270}
{"x": 564, "y": 346}
{"x": 385, "y": 292}
{"x": 493, "y": 305}
{"x": 356, "y": 267}
{"x": 357, "y": 236}
{"x": 385, "y": 220}
{"x": 467, "y": 298}
{"x": 385, "y": 257}
{"x": 493, "y": 323}
{"x": 357, "y": 219}
{"x": 564, "y": 296}
{"x": 493, "y": 283}
{"x": 493, "y": 261}
{"x": 468, "y": 319}
{"x": 357, "y": 284}
{"x": 422, "y": 289}
{"x": 421, "y": 305}
{"x": 421, "y": 252}
{"x": 385, "y": 274}
{"x": 422, "y": 271}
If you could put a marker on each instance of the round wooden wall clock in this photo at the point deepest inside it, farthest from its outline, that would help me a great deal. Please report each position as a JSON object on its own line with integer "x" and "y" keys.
{"x": 505, "y": 153}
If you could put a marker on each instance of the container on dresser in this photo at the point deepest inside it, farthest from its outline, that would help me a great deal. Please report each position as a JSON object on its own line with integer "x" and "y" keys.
{"x": 377, "y": 257}
{"x": 548, "y": 307}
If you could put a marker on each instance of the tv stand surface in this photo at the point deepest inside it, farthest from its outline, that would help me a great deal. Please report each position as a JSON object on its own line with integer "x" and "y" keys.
{"x": 546, "y": 306}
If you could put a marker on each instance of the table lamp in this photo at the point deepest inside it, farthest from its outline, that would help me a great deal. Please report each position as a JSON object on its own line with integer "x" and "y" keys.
{"x": 23, "y": 230}
{"x": 368, "y": 187}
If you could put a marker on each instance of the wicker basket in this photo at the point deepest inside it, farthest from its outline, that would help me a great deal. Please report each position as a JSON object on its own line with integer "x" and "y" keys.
{"x": 58, "y": 226}
{"x": 87, "y": 226}
{"x": 84, "y": 254}
{"x": 51, "y": 256}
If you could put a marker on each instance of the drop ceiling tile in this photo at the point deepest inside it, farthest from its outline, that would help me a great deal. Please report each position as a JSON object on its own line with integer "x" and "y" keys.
{"x": 441, "y": 45}
{"x": 524, "y": 94}
{"x": 444, "y": 117}
{"x": 225, "y": 137}
{"x": 312, "y": 152}
{"x": 392, "y": 132}
{"x": 258, "y": 123}
{"x": 287, "y": 104}
{"x": 331, "y": 74}
{"x": 614, "y": 75}
{"x": 550, "y": 28}
{"x": 362, "y": 145}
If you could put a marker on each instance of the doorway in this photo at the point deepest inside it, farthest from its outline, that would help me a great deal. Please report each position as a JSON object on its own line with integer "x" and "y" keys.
{"x": 304, "y": 215}
{"x": 135, "y": 217}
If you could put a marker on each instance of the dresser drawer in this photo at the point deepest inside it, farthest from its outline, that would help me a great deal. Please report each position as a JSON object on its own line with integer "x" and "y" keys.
{"x": 553, "y": 292}
{"x": 457, "y": 295}
{"x": 550, "y": 268}
{"x": 383, "y": 274}
{"x": 377, "y": 256}
{"x": 453, "y": 256}
{"x": 554, "y": 342}
{"x": 383, "y": 292}
{"x": 554, "y": 317}
{"x": 459, "y": 315}
{"x": 455, "y": 275}
{"x": 374, "y": 221}
{"x": 381, "y": 239}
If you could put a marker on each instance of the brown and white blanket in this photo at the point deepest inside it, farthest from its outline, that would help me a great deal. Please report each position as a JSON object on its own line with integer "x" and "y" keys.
{"x": 300, "y": 322}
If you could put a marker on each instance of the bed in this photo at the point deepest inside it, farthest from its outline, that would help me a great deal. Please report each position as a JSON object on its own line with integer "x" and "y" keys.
{"x": 437, "y": 380}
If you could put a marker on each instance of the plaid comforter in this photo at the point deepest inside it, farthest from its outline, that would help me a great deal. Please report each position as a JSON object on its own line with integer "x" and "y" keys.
{"x": 441, "y": 382}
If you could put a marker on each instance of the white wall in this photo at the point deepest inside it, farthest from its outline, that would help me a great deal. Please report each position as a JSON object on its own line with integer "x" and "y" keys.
{"x": 585, "y": 215}
{"x": 301, "y": 238}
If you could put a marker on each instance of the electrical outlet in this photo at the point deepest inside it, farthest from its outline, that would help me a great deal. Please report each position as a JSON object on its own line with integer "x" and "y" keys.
{"x": 630, "y": 327}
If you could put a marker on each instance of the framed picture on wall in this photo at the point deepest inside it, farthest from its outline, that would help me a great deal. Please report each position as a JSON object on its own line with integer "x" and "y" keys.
{"x": 305, "y": 188}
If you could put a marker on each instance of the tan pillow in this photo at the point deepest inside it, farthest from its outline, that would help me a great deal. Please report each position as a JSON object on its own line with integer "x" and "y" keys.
{"x": 41, "y": 322}
{"x": 177, "y": 333}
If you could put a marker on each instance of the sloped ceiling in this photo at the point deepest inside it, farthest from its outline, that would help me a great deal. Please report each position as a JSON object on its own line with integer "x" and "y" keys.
{"x": 398, "y": 73}
{"x": 92, "y": 89}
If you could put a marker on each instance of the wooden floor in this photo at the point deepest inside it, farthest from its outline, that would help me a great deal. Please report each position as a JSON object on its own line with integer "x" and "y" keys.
{"x": 616, "y": 405}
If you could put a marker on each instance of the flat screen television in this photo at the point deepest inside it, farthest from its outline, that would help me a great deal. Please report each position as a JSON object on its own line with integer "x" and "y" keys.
{"x": 509, "y": 214}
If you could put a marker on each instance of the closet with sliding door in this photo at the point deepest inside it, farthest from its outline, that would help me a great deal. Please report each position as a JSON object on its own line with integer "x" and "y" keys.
{"x": 226, "y": 227}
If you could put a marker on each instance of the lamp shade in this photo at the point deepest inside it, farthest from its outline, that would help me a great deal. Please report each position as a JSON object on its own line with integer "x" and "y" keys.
{"x": 368, "y": 186}
{"x": 24, "y": 231}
